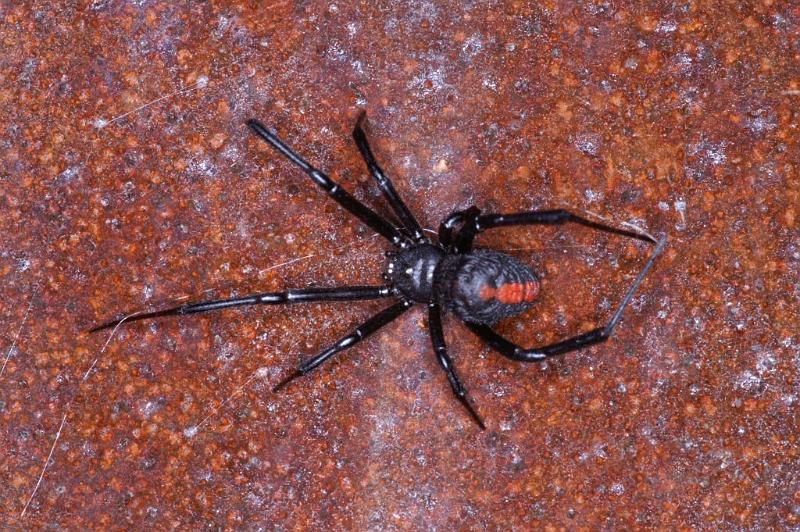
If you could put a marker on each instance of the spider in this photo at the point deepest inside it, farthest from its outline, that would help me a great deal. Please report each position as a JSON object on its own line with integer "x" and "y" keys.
{"x": 480, "y": 286}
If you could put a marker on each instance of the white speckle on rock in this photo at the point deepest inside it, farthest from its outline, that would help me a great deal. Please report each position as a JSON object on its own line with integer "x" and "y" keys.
{"x": 204, "y": 167}
{"x": 441, "y": 166}
{"x": 592, "y": 196}
{"x": 429, "y": 82}
{"x": 748, "y": 381}
{"x": 765, "y": 363}
{"x": 680, "y": 207}
{"x": 148, "y": 408}
{"x": 69, "y": 174}
{"x": 761, "y": 124}
{"x": 473, "y": 45}
{"x": 666, "y": 26}
{"x": 336, "y": 51}
{"x": 190, "y": 432}
{"x": 588, "y": 143}
{"x": 683, "y": 61}
{"x": 710, "y": 152}
{"x": 223, "y": 23}
{"x": 716, "y": 154}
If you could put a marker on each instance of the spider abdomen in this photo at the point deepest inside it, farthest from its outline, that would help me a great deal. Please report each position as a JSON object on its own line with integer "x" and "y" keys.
{"x": 485, "y": 286}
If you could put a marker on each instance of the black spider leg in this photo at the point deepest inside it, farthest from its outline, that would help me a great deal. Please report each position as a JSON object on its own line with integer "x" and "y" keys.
{"x": 447, "y": 227}
{"x": 347, "y": 201}
{"x": 406, "y": 218}
{"x": 595, "y": 336}
{"x": 306, "y": 295}
{"x": 364, "y": 330}
{"x": 439, "y": 347}
{"x": 480, "y": 222}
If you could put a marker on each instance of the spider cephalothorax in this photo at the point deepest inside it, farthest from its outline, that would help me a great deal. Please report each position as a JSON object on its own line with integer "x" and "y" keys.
{"x": 413, "y": 270}
{"x": 480, "y": 286}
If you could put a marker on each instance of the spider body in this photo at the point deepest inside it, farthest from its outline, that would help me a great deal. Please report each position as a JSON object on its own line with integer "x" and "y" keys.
{"x": 412, "y": 271}
{"x": 485, "y": 286}
{"x": 480, "y": 286}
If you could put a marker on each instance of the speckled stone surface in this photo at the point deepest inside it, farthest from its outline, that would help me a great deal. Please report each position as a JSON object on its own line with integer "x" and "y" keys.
{"x": 129, "y": 181}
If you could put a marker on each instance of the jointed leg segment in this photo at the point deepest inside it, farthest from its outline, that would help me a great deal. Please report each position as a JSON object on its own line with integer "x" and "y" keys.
{"x": 406, "y": 218}
{"x": 351, "y": 204}
{"x": 477, "y": 222}
{"x": 515, "y": 352}
{"x": 439, "y": 347}
{"x": 481, "y": 222}
{"x": 305, "y": 295}
{"x": 595, "y": 336}
{"x": 456, "y": 235}
{"x": 450, "y": 223}
{"x": 364, "y": 330}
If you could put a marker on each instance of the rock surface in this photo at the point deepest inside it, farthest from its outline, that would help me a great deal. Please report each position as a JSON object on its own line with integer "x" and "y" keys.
{"x": 129, "y": 181}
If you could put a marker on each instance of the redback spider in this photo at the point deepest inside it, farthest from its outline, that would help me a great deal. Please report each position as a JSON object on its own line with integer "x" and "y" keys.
{"x": 480, "y": 286}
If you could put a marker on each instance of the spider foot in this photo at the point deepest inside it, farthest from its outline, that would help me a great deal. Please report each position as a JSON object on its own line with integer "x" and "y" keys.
{"x": 361, "y": 117}
{"x": 289, "y": 378}
{"x": 472, "y": 412}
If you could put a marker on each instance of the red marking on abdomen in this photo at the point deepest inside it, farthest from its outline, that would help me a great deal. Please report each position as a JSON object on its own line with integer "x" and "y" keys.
{"x": 511, "y": 293}
{"x": 486, "y": 292}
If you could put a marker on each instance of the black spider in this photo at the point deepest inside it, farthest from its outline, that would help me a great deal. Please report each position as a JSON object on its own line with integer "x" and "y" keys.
{"x": 480, "y": 286}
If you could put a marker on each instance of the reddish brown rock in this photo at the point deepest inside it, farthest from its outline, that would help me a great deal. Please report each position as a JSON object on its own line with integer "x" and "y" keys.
{"x": 129, "y": 181}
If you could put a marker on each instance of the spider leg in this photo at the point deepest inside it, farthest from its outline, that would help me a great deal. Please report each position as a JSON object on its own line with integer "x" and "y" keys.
{"x": 449, "y": 224}
{"x": 364, "y": 330}
{"x": 305, "y": 295}
{"x": 437, "y": 339}
{"x": 406, "y": 218}
{"x": 595, "y": 336}
{"x": 477, "y": 223}
{"x": 341, "y": 196}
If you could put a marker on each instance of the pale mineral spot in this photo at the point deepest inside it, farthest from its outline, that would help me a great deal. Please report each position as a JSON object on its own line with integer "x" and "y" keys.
{"x": 441, "y": 166}
{"x": 588, "y": 143}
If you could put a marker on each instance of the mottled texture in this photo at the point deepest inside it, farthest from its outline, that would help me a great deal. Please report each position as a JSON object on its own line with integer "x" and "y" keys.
{"x": 485, "y": 286}
{"x": 129, "y": 181}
